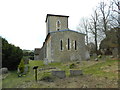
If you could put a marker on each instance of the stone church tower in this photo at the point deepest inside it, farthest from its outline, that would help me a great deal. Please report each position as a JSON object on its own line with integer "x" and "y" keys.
{"x": 61, "y": 44}
{"x": 56, "y": 23}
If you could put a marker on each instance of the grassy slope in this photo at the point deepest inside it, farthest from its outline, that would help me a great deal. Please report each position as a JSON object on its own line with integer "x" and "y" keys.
{"x": 13, "y": 80}
{"x": 103, "y": 69}
{"x": 98, "y": 69}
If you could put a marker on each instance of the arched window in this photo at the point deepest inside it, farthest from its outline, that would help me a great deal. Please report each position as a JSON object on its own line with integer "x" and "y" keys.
{"x": 61, "y": 46}
{"x": 58, "y": 25}
{"x": 68, "y": 44}
{"x": 75, "y": 45}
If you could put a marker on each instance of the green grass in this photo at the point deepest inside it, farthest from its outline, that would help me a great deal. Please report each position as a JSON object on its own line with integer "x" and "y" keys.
{"x": 36, "y": 63}
{"x": 12, "y": 80}
{"x": 96, "y": 69}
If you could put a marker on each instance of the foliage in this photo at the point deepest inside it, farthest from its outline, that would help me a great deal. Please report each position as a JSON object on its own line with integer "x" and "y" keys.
{"x": 36, "y": 63}
{"x": 21, "y": 66}
{"x": 55, "y": 64}
{"x": 11, "y": 55}
{"x": 46, "y": 76}
{"x": 72, "y": 66}
{"x": 109, "y": 42}
{"x": 29, "y": 54}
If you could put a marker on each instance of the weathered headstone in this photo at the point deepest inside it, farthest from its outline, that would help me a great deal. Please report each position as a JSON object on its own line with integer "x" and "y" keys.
{"x": 87, "y": 55}
{"x": 76, "y": 72}
{"x": 25, "y": 69}
{"x": 46, "y": 61}
{"x": 94, "y": 55}
{"x": 3, "y": 70}
{"x": 115, "y": 52}
{"x": 59, "y": 74}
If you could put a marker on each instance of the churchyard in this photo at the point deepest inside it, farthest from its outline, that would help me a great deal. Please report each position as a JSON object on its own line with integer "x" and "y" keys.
{"x": 89, "y": 74}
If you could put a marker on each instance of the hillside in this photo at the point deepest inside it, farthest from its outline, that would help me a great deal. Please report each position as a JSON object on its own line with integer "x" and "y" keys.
{"x": 96, "y": 74}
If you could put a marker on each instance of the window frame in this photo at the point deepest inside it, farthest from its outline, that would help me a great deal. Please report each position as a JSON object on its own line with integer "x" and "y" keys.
{"x": 58, "y": 28}
{"x": 68, "y": 43}
{"x": 75, "y": 45}
{"x": 61, "y": 45}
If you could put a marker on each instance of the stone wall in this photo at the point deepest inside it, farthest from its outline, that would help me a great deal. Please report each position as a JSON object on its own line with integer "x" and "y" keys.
{"x": 36, "y": 57}
{"x": 42, "y": 54}
{"x": 51, "y": 23}
{"x": 48, "y": 49}
{"x": 67, "y": 55}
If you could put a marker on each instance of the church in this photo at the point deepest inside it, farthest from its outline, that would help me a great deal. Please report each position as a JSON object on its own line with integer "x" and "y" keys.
{"x": 61, "y": 44}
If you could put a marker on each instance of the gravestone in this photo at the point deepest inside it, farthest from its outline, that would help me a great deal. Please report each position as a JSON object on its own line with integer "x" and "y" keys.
{"x": 87, "y": 55}
{"x": 26, "y": 61}
{"x": 26, "y": 69}
{"x": 75, "y": 72}
{"x": 3, "y": 70}
{"x": 46, "y": 61}
{"x": 94, "y": 55}
{"x": 115, "y": 52}
{"x": 59, "y": 74}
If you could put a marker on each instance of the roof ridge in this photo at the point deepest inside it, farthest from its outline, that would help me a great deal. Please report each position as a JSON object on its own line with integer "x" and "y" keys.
{"x": 67, "y": 30}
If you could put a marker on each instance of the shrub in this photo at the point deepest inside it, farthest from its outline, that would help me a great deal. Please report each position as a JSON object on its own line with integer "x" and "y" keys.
{"x": 47, "y": 77}
{"x": 72, "y": 66}
{"x": 21, "y": 66}
{"x": 11, "y": 55}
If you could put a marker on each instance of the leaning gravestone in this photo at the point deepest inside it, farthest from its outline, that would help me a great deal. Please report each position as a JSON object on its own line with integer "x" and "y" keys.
{"x": 59, "y": 74}
{"x": 75, "y": 72}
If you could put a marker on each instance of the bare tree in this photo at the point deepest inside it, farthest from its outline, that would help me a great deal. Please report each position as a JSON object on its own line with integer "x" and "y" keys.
{"x": 105, "y": 12}
{"x": 116, "y": 9}
{"x": 83, "y": 27}
{"x": 93, "y": 26}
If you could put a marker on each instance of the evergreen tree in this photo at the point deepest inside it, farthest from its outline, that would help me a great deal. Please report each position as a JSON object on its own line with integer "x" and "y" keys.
{"x": 11, "y": 55}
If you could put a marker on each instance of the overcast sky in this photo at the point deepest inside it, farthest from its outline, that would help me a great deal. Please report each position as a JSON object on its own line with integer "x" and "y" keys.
{"x": 22, "y": 22}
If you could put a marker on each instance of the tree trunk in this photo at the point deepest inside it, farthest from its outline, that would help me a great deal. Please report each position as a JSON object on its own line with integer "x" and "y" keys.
{"x": 96, "y": 47}
{"x": 119, "y": 29}
{"x": 118, "y": 42}
{"x": 96, "y": 43}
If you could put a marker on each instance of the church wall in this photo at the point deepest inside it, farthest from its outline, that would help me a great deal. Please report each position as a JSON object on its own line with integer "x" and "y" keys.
{"x": 48, "y": 49}
{"x": 42, "y": 54}
{"x": 36, "y": 57}
{"x": 51, "y": 23}
{"x": 67, "y": 55}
